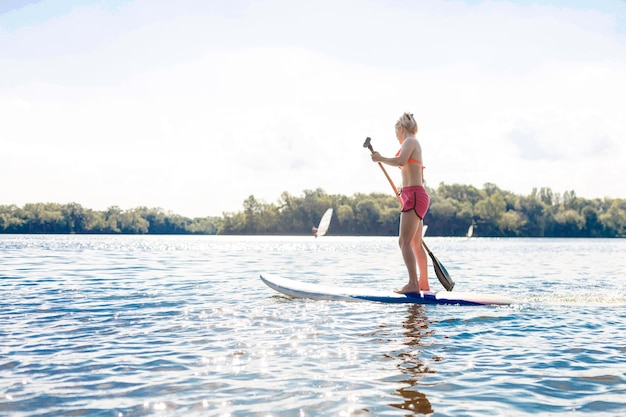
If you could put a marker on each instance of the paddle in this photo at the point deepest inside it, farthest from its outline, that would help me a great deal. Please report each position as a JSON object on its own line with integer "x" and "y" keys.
{"x": 442, "y": 274}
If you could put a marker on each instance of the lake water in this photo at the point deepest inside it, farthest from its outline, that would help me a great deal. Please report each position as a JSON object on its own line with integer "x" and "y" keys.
{"x": 182, "y": 326}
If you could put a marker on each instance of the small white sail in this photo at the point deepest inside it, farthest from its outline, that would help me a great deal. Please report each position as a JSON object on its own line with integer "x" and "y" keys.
{"x": 470, "y": 231}
{"x": 322, "y": 228}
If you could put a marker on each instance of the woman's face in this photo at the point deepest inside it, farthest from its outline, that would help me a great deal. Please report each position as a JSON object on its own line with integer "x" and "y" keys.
{"x": 399, "y": 134}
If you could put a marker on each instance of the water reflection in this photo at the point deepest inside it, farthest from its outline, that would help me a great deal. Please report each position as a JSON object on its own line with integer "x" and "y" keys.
{"x": 409, "y": 362}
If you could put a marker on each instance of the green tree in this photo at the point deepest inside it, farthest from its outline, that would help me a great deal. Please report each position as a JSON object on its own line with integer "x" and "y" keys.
{"x": 489, "y": 212}
{"x": 345, "y": 217}
{"x": 442, "y": 217}
{"x": 568, "y": 223}
{"x": 511, "y": 223}
{"x": 232, "y": 224}
{"x": 11, "y": 219}
{"x": 132, "y": 222}
{"x": 615, "y": 218}
{"x": 593, "y": 227}
{"x": 367, "y": 216}
{"x": 532, "y": 213}
{"x": 45, "y": 218}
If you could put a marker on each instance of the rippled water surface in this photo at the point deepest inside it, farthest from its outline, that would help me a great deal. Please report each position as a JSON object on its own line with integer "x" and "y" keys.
{"x": 182, "y": 326}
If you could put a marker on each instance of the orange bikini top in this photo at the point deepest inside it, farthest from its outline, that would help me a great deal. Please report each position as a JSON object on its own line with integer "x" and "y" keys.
{"x": 410, "y": 160}
{"x": 413, "y": 161}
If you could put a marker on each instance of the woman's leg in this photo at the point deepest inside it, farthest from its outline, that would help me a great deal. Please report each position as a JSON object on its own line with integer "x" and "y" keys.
{"x": 420, "y": 255}
{"x": 409, "y": 225}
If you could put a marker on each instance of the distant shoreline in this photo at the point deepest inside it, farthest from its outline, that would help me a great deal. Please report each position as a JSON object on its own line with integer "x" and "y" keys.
{"x": 454, "y": 210}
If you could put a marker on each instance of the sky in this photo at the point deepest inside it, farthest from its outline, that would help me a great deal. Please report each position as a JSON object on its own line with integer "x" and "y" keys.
{"x": 192, "y": 106}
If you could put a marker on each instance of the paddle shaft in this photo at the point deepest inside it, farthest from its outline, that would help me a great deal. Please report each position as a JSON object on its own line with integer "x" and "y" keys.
{"x": 393, "y": 185}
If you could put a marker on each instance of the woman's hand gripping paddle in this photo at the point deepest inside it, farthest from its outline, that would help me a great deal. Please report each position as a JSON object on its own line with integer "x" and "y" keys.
{"x": 442, "y": 274}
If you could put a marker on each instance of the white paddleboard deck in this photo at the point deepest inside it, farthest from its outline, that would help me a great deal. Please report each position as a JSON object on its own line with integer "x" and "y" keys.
{"x": 299, "y": 289}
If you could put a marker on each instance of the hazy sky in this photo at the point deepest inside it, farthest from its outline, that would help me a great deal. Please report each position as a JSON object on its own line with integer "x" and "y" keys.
{"x": 194, "y": 105}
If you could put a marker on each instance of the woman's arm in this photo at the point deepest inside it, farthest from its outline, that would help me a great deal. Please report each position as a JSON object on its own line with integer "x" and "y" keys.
{"x": 397, "y": 161}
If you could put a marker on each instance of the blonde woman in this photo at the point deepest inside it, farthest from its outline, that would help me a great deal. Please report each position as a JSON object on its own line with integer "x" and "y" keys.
{"x": 415, "y": 201}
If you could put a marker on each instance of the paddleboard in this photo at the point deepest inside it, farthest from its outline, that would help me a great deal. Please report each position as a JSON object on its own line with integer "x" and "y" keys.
{"x": 298, "y": 289}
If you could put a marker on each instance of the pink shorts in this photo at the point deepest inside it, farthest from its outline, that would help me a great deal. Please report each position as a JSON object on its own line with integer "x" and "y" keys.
{"x": 415, "y": 198}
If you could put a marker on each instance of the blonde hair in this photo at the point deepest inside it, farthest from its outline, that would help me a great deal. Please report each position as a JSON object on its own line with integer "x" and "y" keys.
{"x": 407, "y": 121}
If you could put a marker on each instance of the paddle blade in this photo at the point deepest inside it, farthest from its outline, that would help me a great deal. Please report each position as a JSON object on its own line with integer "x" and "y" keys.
{"x": 442, "y": 273}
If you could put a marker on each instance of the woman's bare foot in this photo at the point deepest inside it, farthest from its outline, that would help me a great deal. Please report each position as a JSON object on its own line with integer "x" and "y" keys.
{"x": 411, "y": 289}
{"x": 408, "y": 289}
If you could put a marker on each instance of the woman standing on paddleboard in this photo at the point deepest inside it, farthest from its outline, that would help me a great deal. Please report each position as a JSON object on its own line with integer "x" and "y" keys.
{"x": 415, "y": 202}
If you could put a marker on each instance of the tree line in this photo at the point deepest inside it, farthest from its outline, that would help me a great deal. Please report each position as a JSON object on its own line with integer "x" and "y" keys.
{"x": 493, "y": 212}
{"x": 73, "y": 218}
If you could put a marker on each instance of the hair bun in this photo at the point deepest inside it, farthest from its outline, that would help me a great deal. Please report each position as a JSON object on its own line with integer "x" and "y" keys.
{"x": 408, "y": 122}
